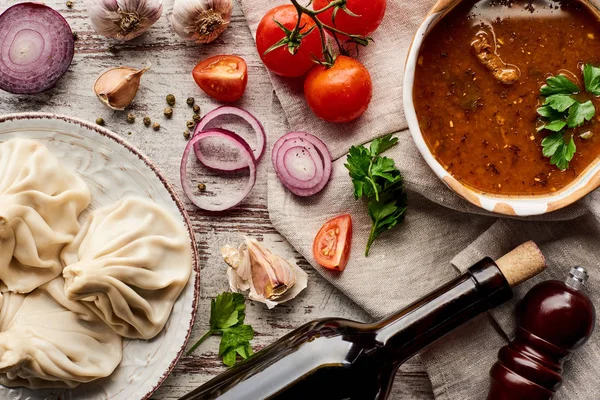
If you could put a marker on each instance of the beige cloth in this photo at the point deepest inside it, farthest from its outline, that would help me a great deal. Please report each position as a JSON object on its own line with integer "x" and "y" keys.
{"x": 414, "y": 259}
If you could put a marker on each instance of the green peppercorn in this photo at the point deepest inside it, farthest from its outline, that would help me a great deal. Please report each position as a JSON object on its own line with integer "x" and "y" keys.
{"x": 196, "y": 108}
{"x": 201, "y": 187}
{"x": 156, "y": 126}
{"x": 100, "y": 121}
{"x": 190, "y": 124}
{"x": 168, "y": 112}
{"x": 129, "y": 133}
{"x": 190, "y": 101}
{"x": 196, "y": 118}
{"x": 69, "y": 4}
{"x": 130, "y": 118}
{"x": 170, "y": 100}
{"x": 147, "y": 121}
{"x": 186, "y": 135}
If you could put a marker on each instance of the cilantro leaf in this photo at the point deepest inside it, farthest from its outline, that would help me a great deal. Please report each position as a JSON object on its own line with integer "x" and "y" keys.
{"x": 548, "y": 112}
{"x": 579, "y": 113}
{"x": 378, "y": 180}
{"x": 559, "y": 85}
{"x": 554, "y": 126}
{"x": 591, "y": 78}
{"x": 561, "y": 152}
{"x": 227, "y": 314}
{"x": 559, "y": 102}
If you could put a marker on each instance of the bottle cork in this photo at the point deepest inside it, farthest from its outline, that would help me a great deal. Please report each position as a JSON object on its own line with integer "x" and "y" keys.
{"x": 521, "y": 264}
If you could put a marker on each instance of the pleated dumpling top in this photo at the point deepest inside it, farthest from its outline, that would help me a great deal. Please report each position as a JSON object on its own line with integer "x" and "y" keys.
{"x": 40, "y": 201}
{"x": 48, "y": 341}
{"x": 129, "y": 264}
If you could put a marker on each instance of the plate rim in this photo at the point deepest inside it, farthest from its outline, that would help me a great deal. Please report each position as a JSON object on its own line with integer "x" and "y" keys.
{"x": 174, "y": 196}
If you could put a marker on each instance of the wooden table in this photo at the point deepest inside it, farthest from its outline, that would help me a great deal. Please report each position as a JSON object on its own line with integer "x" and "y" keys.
{"x": 172, "y": 60}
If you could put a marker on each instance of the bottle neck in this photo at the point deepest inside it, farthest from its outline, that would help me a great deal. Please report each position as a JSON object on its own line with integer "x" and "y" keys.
{"x": 407, "y": 332}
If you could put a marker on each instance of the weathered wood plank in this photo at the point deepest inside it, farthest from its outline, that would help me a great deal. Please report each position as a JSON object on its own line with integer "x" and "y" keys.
{"x": 172, "y": 60}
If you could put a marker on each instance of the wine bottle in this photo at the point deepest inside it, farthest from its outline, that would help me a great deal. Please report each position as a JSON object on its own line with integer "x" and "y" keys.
{"x": 553, "y": 319}
{"x": 341, "y": 359}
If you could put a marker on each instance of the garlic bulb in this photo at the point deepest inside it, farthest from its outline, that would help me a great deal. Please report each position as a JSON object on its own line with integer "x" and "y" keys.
{"x": 117, "y": 87}
{"x": 123, "y": 19}
{"x": 201, "y": 20}
{"x": 270, "y": 279}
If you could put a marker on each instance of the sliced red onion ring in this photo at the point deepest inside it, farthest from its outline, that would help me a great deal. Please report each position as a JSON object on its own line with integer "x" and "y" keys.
{"x": 288, "y": 168}
{"x": 36, "y": 48}
{"x": 245, "y": 154}
{"x": 261, "y": 138}
{"x": 292, "y": 158}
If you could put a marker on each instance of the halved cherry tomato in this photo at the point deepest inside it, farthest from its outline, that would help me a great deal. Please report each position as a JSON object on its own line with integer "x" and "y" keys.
{"x": 370, "y": 13}
{"x": 280, "y": 60}
{"x": 341, "y": 93}
{"x": 331, "y": 247}
{"x": 223, "y": 78}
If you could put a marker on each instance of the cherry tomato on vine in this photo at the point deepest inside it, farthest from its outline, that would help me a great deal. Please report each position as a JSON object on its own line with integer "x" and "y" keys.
{"x": 341, "y": 93}
{"x": 280, "y": 60}
{"x": 370, "y": 14}
{"x": 222, "y": 77}
{"x": 331, "y": 247}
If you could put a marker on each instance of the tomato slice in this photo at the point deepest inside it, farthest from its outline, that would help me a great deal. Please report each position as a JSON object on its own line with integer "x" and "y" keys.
{"x": 331, "y": 247}
{"x": 223, "y": 77}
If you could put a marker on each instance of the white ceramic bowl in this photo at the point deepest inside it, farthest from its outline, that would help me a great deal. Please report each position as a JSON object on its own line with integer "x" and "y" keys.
{"x": 588, "y": 181}
{"x": 114, "y": 169}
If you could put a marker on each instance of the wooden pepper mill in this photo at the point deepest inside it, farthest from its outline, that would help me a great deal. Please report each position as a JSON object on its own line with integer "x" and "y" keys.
{"x": 554, "y": 319}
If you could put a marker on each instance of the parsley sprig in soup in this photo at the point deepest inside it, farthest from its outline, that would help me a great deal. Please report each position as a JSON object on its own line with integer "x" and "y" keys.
{"x": 506, "y": 94}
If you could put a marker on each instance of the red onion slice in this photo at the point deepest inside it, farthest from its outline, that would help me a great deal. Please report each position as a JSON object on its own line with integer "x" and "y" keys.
{"x": 261, "y": 138}
{"x": 36, "y": 48}
{"x": 299, "y": 186}
{"x": 291, "y": 159}
{"x": 245, "y": 154}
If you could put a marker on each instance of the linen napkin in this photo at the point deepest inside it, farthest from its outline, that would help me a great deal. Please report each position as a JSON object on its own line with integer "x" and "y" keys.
{"x": 412, "y": 260}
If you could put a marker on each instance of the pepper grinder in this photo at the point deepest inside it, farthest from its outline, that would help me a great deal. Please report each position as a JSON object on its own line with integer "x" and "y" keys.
{"x": 554, "y": 319}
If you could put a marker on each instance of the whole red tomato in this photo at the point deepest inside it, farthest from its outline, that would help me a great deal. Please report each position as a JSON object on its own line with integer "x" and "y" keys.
{"x": 370, "y": 14}
{"x": 341, "y": 93}
{"x": 280, "y": 60}
{"x": 223, "y": 78}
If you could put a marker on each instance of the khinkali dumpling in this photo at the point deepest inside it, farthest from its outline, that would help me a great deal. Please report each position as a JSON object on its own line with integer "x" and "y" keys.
{"x": 48, "y": 341}
{"x": 128, "y": 264}
{"x": 40, "y": 201}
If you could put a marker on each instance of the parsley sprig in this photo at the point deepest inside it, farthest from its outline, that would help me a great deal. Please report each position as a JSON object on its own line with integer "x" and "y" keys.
{"x": 227, "y": 314}
{"x": 561, "y": 110}
{"x": 378, "y": 180}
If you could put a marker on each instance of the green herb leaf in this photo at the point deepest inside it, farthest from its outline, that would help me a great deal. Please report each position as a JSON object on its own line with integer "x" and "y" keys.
{"x": 591, "y": 78}
{"x": 379, "y": 181}
{"x": 579, "y": 113}
{"x": 554, "y": 126}
{"x": 560, "y": 102}
{"x": 548, "y": 112}
{"x": 561, "y": 153}
{"x": 559, "y": 85}
{"x": 227, "y": 314}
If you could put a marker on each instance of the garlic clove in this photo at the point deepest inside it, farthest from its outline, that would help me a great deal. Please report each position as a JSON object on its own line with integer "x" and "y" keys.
{"x": 271, "y": 279}
{"x": 117, "y": 87}
{"x": 201, "y": 20}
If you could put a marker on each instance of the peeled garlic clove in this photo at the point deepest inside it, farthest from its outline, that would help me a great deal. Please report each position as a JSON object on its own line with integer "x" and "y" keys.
{"x": 117, "y": 87}
{"x": 123, "y": 19}
{"x": 201, "y": 20}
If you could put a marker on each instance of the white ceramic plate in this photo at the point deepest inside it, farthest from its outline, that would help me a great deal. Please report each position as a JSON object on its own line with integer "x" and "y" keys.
{"x": 113, "y": 169}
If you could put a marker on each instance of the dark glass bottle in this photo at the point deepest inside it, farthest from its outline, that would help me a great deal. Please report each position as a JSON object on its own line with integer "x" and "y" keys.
{"x": 554, "y": 319}
{"x": 340, "y": 359}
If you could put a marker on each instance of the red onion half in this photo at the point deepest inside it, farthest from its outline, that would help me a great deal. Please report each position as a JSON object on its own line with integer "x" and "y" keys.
{"x": 240, "y": 163}
{"x": 245, "y": 154}
{"x": 302, "y": 162}
{"x": 36, "y": 48}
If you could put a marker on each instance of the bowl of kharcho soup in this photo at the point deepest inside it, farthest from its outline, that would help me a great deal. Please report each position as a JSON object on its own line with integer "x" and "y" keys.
{"x": 503, "y": 101}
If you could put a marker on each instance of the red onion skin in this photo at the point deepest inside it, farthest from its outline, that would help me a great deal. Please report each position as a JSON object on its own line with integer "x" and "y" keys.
{"x": 245, "y": 152}
{"x": 54, "y": 58}
{"x": 261, "y": 137}
{"x": 323, "y": 151}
